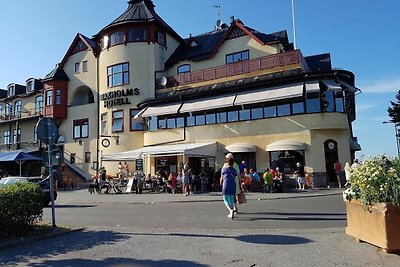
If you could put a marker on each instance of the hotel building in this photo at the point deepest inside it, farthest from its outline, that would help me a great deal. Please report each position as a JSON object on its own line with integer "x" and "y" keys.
{"x": 139, "y": 92}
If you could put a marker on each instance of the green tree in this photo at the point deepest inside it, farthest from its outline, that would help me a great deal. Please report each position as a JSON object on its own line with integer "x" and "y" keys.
{"x": 394, "y": 110}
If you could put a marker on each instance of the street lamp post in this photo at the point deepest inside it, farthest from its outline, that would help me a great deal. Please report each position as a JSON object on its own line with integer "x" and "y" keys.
{"x": 397, "y": 135}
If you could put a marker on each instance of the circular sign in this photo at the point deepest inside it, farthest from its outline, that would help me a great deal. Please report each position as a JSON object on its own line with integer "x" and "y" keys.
{"x": 47, "y": 130}
{"x": 105, "y": 142}
{"x": 331, "y": 145}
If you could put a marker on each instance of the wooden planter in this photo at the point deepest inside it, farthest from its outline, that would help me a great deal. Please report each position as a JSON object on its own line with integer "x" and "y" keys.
{"x": 378, "y": 225}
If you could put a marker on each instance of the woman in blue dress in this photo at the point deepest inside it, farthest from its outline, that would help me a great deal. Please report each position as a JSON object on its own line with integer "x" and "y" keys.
{"x": 227, "y": 181}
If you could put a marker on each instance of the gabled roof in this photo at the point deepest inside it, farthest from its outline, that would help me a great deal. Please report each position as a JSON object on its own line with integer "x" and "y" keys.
{"x": 57, "y": 74}
{"x": 141, "y": 11}
{"x": 209, "y": 43}
{"x": 80, "y": 43}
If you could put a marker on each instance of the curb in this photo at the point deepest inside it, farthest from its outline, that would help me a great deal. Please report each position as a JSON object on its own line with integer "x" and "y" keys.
{"x": 54, "y": 233}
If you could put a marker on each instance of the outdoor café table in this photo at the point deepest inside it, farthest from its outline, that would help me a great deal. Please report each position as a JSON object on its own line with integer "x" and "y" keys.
{"x": 114, "y": 184}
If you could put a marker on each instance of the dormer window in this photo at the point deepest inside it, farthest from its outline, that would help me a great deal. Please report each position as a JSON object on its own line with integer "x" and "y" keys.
{"x": 30, "y": 86}
{"x": 10, "y": 90}
{"x": 116, "y": 38}
{"x": 184, "y": 69}
{"x": 137, "y": 35}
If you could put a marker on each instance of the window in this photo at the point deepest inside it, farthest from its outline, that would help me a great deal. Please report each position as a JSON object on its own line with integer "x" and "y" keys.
{"x": 11, "y": 91}
{"x": 116, "y": 38}
{"x": 200, "y": 119}
{"x": 137, "y": 35}
{"x": 16, "y": 136}
{"x": 8, "y": 109}
{"x": 58, "y": 97}
{"x": 136, "y": 124}
{"x": 184, "y": 69}
{"x": 81, "y": 128}
{"x": 298, "y": 107}
{"x": 339, "y": 102}
{"x": 190, "y": 120}
{"x": 84, "y": 66}
{"x": 210, "y": 118}
{"x": 328, "y": 102}
{"x": 180, "y": 122}
{"x": 160, "y": 38}
{"x": 222, "y": 117}
{"x": 30, "y": 86}
{"x": 233, "y": 116}
{"x": 17, "y": 108}
{"x": 284, "y": 110}
{"x": 88, "y": 156}
{"x": 118, "y": 121}
{"x": 257, "y": 113}
{"x": 104, "y": 126}
{"x": 162, "y": 123}
{"x": 7, "y": 137}
{"x": 38, "y": 104}
{"x": 49, "y": 98}
{"x": 118, "y": 74}
{"x": 313, "y": 103}
{"x": 244, "y": 115}
{"x": 270, "y": 112}
{"x": 77, "y": 67}
{"x": 152, "y": 123}
{"x": 171, "y": 123}
{"x": 239, "y": 56}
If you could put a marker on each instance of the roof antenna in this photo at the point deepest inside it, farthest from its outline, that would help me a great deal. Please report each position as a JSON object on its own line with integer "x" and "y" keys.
{"x": 219, "y": 20}
{"x": 294, "y": 26}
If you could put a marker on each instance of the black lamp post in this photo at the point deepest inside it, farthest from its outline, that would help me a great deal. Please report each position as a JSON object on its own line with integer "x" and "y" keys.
{"x": 397, "y": 134}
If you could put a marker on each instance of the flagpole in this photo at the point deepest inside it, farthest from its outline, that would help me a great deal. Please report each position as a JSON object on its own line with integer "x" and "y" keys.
{"x": 294, "y": 26}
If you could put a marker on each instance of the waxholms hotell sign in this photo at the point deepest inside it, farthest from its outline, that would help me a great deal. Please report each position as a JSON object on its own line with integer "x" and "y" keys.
{"x": 118, "y": 97}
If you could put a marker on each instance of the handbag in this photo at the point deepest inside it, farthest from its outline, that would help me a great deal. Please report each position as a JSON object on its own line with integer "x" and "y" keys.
{"x": 242, "y": 198}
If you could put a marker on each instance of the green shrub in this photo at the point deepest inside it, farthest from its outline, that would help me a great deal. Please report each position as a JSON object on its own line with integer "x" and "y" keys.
{"x": 21, "y": 206}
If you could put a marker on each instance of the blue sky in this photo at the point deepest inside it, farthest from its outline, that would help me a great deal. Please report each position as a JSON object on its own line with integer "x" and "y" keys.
{"x": 361, "y": 35}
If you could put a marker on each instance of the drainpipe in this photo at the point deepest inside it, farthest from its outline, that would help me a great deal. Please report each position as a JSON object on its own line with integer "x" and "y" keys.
{"x": 98, "y": 113}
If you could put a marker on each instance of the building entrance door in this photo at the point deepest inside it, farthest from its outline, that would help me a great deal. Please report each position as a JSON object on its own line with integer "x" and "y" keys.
{"x": 331, "y": 156}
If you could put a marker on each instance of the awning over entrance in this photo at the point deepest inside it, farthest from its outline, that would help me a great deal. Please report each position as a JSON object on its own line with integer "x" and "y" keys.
{"x": 286, "y": 145}
{"x": 277, "y": 93}
{"x": 162, "y": 110}
{"x": 241, "y": 148}
{"x": 208, "y": 103}
{"x": 188, "y": 149}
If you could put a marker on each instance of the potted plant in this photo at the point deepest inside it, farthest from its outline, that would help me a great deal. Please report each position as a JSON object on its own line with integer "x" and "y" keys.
{"x": 373, "y": 203}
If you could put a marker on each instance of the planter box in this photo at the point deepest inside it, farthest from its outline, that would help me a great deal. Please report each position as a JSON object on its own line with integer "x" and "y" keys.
{"x": 378, "y": 225}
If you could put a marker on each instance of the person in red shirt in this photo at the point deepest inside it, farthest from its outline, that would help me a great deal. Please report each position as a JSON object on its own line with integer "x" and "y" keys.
{"x": 338, "y": 172}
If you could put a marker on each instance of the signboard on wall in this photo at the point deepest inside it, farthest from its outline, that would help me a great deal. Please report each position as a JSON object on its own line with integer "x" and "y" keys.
{"x": 139, "y": 164}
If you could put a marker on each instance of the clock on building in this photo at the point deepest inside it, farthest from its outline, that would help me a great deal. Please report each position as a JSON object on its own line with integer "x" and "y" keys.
{"x": 331, "y": 145}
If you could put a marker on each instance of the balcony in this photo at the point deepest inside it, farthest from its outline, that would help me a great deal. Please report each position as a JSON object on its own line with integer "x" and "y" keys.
{"x": 262, "y": 65}
{"x": 22, "y": 115}
{"x": 30, "y": 145}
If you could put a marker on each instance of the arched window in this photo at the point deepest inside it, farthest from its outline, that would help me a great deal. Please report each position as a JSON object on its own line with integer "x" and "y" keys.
{"x": 184, "y": 68}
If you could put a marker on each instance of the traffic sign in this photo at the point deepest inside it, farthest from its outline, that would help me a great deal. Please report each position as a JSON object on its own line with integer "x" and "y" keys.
{"x": 47, "y": 130}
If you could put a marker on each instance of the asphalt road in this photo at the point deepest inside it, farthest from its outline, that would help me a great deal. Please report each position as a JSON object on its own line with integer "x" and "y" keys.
{"x": 301, "y": 213}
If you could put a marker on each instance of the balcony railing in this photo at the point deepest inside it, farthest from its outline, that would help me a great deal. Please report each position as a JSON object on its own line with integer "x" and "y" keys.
{"x": 276, "y": 61}
{"x": 30, "y": 145}
{"x": 24, "y": 114}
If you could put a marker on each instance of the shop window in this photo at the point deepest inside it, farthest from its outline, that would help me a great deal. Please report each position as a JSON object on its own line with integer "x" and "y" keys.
{"x": 239, "y": 56}
{"x": 233, "y": 116}
{"x": 270, "y": 112}
{"x": 257, "y": 113}
{"x": 81, "y": 128}
{"x": 117, "y": 121}
{"x": 286, "y": 160}
{"x": 118, "y": 74}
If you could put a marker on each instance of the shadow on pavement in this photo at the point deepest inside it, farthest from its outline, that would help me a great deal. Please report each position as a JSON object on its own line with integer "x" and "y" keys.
{"x": 77, "y": 241}
{"x": 121, "y": 262}
{"x": 61, "y": 206}
{"x": 255, "y": 239}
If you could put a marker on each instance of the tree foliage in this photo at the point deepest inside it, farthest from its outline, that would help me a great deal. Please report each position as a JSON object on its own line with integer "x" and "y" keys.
{"x": 394, "y": 109}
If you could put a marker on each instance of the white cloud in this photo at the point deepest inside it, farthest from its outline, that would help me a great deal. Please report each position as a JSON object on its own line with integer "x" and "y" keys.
{"x": 362, "y": 107}
{"x": 387, "y": 85}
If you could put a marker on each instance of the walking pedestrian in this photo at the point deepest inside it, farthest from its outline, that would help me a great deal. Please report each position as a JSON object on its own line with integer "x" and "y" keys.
{"x": 301, "y": 176}
{"x": 338, "y": 172}
{"x": 227, "y": 181}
